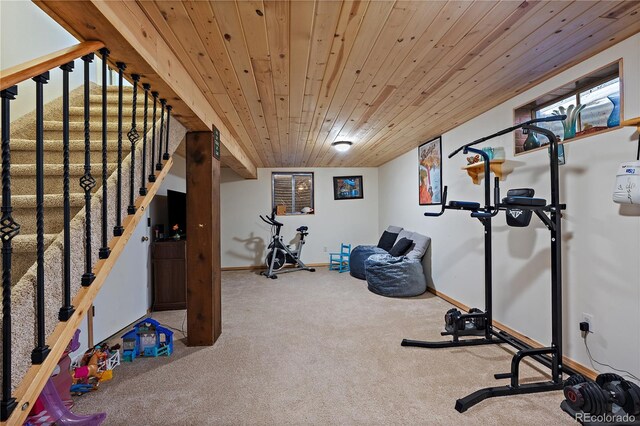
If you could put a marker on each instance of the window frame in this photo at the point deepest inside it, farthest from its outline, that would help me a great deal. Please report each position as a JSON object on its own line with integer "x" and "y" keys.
{"x": 527, "y": 111}
{"x": 293, "y": 191}
{"x": 576, "y": 93}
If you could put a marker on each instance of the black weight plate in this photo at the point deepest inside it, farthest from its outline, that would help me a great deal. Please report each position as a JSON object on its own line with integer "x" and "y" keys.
{"x": 601, "y": 398}
{"x": 594, "y": 401}
{"x": 451, "y": 316}
{"x": 574, "y": 380}
{"x": 589, "y": 400}
{"x": 632, "y": 403}
{"x": 594, "y": 393}
{"x": 605, "y": 378}
{"x": 574, "y": 397}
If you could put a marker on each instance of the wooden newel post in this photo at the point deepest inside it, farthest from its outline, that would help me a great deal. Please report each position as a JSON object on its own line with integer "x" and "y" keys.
{"x": 204, "y": 316}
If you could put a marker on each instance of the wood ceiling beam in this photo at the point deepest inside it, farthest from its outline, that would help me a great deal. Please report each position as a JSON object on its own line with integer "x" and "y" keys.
{"x": 133, "y": 39}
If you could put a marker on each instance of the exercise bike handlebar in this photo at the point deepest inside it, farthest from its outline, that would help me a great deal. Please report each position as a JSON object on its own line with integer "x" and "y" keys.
{"x": 271, "y": 221}
{"x": 509, "y": 130}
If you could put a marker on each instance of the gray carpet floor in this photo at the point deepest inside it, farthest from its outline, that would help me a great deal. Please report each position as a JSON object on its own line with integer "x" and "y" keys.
{"x": 317, "y": 349}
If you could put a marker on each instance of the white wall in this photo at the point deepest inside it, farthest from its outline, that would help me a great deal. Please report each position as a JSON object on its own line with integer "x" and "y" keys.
{"x": 126, "y": 293}
{"x": 601, "y": 239}
{"x": 27, "y": 33}
{"x": 176, "y": 179}
{"x": 244, "y": 236}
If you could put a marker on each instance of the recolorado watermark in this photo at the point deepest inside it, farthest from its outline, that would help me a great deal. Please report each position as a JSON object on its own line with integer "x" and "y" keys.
{"x": 605, "y": 418}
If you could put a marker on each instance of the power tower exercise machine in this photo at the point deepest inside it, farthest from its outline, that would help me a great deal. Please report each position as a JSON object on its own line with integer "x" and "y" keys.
{"x": 480, "y": 323}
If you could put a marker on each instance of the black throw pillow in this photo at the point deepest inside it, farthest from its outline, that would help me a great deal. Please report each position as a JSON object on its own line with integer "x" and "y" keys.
{"x": 401, "y": 247}
{"x": 387, "y": 240}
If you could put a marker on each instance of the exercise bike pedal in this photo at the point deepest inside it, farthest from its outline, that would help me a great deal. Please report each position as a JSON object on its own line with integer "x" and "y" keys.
{"x": 499, "y": 376}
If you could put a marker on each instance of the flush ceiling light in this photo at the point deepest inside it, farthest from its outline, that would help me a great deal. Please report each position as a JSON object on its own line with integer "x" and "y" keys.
{"x": 342, "y": 146}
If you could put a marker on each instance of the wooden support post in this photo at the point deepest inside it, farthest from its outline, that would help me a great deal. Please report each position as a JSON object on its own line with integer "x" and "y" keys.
{"x": 204, "y": 316}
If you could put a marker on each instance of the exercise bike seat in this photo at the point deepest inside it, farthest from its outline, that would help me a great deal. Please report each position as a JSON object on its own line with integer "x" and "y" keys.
{"x": 464, "y": 205}
{"x": 302, "y": 229}
{"x": 516, "y": 201}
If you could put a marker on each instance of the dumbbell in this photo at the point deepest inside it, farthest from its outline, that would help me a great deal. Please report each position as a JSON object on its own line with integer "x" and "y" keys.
{"x": 598, "y": 398}
{"x": 450, "y": 319}
{"x": 623, "y": 393}
{"x": 478, "y": 323}
{"x": 588, "y": 397}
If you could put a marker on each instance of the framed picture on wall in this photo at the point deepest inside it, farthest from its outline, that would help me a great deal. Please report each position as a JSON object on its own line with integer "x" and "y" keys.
{"x": 347, "y": 187}
{"x": 430, "y": 172}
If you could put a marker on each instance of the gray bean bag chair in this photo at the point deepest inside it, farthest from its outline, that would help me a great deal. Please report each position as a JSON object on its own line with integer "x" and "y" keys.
{"x": 357, "y": 258}
{"x": 394, "y": 276}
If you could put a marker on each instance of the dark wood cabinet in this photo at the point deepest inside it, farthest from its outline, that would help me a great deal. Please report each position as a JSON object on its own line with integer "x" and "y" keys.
{"x": 169, "y": 275}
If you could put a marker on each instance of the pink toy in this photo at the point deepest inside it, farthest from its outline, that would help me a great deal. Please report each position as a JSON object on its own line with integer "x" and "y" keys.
{"x": 63, "y": 379}
{"x": 60, "y": 414}
{"x": 52, "y": 406}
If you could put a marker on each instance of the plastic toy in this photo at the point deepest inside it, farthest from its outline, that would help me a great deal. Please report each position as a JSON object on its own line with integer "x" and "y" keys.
{"x": 96, "y": 365}
{"x": 59, "y": 414}
{"x": 148, "y": 338}
{"x": 53, "y": 404}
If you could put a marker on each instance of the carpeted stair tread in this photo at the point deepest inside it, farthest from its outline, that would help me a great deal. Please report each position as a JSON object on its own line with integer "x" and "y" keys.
{"x": 23, "y": 177}
{"x": 24, "y": 211}
{"x": 57, "y": 169}
{"x": 94, "y": 125}
{"x": 114, "y": 89}
{"x": 112, "y": 111}
{"x": 56, "y": 145}
{"x": 26, "y": 243}
{"x": 50, "y": 200}
{"x": 112, "y": 99}
{"x": 24, "y": 253}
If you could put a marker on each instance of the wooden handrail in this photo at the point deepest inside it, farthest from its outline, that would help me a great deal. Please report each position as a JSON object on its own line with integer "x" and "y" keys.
{"x": 19, "y": 73}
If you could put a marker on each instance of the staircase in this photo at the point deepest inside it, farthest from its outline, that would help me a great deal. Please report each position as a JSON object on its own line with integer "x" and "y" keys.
{"x": 38, "y": 297}
{"x": 23, "y": 145}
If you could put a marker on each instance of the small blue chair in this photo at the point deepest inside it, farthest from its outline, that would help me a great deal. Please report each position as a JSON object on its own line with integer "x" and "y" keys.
{"x": 340, "y": 261}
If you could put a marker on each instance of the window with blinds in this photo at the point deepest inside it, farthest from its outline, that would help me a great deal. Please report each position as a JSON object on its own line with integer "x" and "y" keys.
{"x": 294, "y": 191}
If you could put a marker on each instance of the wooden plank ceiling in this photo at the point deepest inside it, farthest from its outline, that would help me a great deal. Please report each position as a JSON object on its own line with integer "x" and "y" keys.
{"x": 290, "y": 78}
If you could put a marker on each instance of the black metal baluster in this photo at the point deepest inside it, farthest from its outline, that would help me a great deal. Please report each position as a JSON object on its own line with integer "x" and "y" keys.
{"x": 67, "y": 309}
{"x": 163, "y": 102}
{"x": 8, "y": 229}
{"x": 87, "y": 182}
{"x": 133, "y": 138}
{"x": 104, "y": 251}
{"x": 166, "y": 155}
{"x": 143, "y": 176}
{"x": 118, "y": 229}
{"x": 152, "y": 175}
{"x": 40, "y": 352}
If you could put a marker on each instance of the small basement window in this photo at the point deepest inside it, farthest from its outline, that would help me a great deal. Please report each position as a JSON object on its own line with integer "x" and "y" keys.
{"x": 596, "y": 97}
{"x": 292, "y": 193}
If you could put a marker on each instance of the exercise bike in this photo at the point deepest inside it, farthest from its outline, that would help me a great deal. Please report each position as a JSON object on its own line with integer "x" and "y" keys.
{"x": 281, "y": 254}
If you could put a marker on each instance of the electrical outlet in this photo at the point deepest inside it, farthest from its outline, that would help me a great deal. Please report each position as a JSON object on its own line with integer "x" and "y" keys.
{"x": 588, "y": 318}
{"x": 325, "y": 249}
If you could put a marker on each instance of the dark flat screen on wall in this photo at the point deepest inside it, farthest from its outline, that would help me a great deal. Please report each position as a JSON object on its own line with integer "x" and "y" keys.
{"x": 177, "y": 210}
